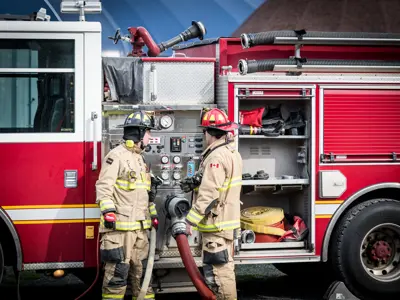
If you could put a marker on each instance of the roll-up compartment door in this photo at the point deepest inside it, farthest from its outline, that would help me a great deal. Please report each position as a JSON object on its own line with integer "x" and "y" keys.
{"x": 361, "y": 123}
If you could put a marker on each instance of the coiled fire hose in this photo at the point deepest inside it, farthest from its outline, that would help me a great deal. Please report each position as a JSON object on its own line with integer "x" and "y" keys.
{"x": 264, "y": 220}
{"x": 150, "y": 264}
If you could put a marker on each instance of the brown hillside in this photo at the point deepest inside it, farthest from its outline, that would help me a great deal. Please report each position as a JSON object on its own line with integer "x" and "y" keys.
{"x": 325, "y": 15}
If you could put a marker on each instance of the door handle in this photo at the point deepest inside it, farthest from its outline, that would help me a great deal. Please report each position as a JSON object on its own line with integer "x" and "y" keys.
{"x": 94, "y": 162}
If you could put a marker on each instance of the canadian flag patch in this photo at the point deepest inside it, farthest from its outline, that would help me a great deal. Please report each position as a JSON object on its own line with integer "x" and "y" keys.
{"x": 214, "y": 166}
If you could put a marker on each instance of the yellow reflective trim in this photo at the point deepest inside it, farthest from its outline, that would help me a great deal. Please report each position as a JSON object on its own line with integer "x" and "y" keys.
{"x": 150, "y": 296}
{"x": 110, "y": 296}
{"x": 235, "y": 181}
{"x": 220, "y": 226}
{"x": 127, "y": 226}
{"x": 152, "y": 209}
{"x": 106, "y": 204}
{"x": 128, "y": 186}
{"x": 193, "y": 217}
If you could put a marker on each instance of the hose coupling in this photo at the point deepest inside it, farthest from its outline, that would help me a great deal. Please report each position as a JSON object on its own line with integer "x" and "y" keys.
{"x": 248, "y": 237}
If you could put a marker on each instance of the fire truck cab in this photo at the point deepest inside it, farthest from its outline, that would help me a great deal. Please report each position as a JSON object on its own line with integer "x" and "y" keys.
{"x": 319, "y": 137}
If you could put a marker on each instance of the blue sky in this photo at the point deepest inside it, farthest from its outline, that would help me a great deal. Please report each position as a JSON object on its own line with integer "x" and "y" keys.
{"x": 162, "y": 18}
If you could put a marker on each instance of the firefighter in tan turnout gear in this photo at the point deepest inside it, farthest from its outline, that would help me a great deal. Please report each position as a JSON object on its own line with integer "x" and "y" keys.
{"x": 126, "y": 192}
{"x": 215, "y": 209}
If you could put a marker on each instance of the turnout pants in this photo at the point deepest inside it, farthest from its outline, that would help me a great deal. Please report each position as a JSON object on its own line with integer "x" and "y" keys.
{"x": 218, "y": 266}
{"x": 123, "y": 252}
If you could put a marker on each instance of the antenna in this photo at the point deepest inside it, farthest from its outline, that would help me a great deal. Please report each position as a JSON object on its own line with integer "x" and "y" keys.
{"x": 81, "y": 7}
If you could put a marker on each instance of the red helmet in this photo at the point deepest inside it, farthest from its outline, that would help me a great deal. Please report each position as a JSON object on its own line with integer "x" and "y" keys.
{"x": 216, "y": 118}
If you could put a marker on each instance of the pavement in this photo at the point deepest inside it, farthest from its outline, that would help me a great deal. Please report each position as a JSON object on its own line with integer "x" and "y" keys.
{"x": 253, "y": 282}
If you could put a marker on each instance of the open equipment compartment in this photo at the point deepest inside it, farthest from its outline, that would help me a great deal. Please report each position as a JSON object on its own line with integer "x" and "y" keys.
{"x": 284, "y": 156}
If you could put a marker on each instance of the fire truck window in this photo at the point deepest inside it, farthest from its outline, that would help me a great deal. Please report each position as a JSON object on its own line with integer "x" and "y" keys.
{"x": 29, "y": 53}
{"x": 41, "y": 102}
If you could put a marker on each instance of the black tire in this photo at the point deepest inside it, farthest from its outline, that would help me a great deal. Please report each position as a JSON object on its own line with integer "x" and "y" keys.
{"x": 346, "y": 249}
{"x": 1, "y": 263}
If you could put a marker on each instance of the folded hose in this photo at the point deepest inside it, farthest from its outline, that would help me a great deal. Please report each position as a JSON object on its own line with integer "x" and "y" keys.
{"x": 265, "y": 220}
{"x": 150, "y": 264}
{"x": 192, "y": 269}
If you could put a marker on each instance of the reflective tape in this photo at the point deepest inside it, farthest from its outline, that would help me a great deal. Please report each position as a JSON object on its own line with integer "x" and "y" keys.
{"x": 234, "y": 181}
{"x": 152, "y": 209}
{"x": 128, "y": 226}
{"x": 112, "y": 297}
{"x": 32, "y": 214}
{"x": 148, "y": 296}
{"x": 219, "y": 226}
{"x": 106, "y": 205}
{"x": 193, "y": 217}
{"x": 129, "y": 186}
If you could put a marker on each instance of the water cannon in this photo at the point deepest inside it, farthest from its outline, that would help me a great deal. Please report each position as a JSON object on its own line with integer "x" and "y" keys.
{"x": 140, "y": 37}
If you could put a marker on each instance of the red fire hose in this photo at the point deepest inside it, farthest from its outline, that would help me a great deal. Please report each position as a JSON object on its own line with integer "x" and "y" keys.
{"x": 192, "y": 269}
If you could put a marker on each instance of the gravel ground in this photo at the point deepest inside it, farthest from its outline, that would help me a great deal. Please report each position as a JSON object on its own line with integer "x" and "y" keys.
{"x": 253, "y": 282}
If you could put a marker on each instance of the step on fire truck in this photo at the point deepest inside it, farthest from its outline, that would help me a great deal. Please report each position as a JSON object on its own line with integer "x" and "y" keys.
{"x": 319, "y": 136}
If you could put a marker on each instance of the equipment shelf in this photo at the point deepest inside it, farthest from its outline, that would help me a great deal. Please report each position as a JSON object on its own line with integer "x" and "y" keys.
{"x": 275, "y": 182}
{"x": 278, "y": 245}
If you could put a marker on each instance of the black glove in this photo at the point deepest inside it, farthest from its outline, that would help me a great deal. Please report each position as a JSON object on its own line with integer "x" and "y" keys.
{"x": 190, "y": 183}
{"x": 152, "y": 193}
{"x": 187, "y": 184}
{"x": 155, "y": 182}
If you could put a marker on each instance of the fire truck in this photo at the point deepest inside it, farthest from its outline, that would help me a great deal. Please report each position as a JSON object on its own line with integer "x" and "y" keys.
{"x": 319, "y": 137}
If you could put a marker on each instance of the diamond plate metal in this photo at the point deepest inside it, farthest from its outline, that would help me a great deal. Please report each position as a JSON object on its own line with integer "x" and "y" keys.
{"x": 175, "y": 253}
{"x": 174, "y": 263}
{"x": 53, "y": 265}
{"x": 180, "y": 82}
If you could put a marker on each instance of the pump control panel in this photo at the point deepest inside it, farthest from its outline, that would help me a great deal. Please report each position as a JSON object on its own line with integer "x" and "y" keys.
{"x": 174, "y": 153}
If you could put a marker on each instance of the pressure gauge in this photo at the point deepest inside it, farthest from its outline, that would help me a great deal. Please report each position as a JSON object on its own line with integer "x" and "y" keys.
{"x": 164, "y": 176}
{"x": 166, "y": 121}
{"x": 164, "y": 159}
{"x": 176, "y": 176}
{"x": 176, "y": 160}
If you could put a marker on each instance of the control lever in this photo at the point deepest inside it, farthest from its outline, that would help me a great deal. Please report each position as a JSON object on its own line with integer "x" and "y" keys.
{"x": 117, "y": 36}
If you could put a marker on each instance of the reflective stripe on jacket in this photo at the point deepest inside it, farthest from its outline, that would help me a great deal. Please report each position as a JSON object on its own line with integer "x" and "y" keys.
{"x": 216, "y": 206}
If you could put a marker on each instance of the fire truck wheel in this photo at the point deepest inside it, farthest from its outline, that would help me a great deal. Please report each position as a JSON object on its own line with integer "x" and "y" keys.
{"x": 1, "y": 263}
{"x": 365, "y": 249}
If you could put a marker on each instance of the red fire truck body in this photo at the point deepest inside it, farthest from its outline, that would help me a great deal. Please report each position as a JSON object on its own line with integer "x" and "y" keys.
{"x": 358, "y": 124}
{"x": 346, "y": 156}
